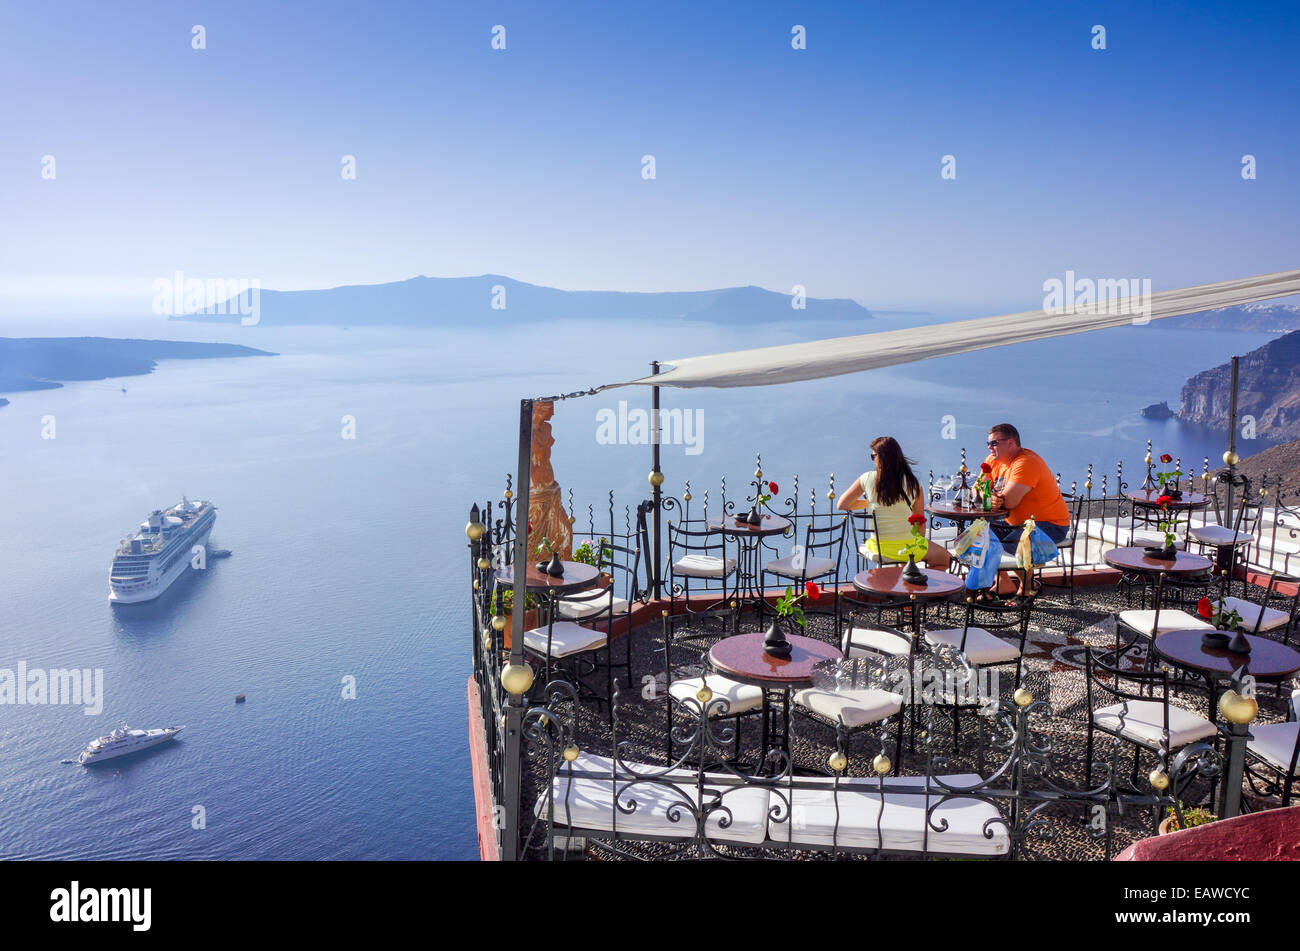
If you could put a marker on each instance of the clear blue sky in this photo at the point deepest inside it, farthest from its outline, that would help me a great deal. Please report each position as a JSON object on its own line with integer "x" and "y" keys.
{"x": 775, "y": 167}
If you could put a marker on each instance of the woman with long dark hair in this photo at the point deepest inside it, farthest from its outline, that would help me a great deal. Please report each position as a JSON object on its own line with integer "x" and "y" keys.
{"x": 893, "y": 494}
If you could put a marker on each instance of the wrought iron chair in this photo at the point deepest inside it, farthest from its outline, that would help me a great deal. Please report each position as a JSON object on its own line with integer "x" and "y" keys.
{"x": 980, "y": 648}
{"x": 1066, "y": 550}
{"x": 821, "y": 558}
{"x": 619, "y": 561}
{"x": 1141, "y": 714}
{"x": 742, "y": 700}
{"x": 1275, "y": 749}
{"x": 700, "y": 556}
{"x": 1151, "y": 623}
{"x": 1260, "y": 618}
{"x": 1240, "y": 536}
{"x": 856, "y": 705}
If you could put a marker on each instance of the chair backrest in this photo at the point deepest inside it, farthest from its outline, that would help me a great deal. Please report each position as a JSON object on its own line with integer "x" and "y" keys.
{"x": 995, "y": 616}
{"x": 724, "y": 620}
{"x": 826, "y": 542}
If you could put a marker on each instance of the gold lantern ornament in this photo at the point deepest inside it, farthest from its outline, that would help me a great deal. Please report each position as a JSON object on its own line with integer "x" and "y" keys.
{"x": 516, "y": 679}
{"x": 1238, "y": 709}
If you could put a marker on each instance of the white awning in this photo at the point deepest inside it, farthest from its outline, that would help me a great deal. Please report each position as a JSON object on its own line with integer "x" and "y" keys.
{"x": 820, "y": 358}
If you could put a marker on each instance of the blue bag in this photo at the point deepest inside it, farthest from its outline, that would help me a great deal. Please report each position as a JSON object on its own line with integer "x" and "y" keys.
{"x": 1041, "y": 548}
{"x": 983, "y": 556}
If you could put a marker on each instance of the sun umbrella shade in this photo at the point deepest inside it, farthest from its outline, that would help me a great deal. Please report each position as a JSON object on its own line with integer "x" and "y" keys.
{"x": 789, "y": 363}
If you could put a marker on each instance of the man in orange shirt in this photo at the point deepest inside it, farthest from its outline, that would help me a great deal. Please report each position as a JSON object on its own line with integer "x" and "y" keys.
{"x": 1026, "y": 488}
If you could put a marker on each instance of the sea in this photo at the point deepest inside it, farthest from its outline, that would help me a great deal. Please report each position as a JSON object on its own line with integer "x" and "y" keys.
{"x": 343, "y": 469}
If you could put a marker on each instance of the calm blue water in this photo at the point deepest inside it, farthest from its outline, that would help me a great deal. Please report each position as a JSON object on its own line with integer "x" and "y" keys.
{"x": 349, "y": 559}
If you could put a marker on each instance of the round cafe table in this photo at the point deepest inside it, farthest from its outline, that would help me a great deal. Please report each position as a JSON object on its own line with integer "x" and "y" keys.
{"x": 1137, "y": 567}
{"x": 741, "y": 658}
{"x": 962, "y": 515}
{"x": 1270, "y": 662}
{"x": 888, "y": 582}
{"x": 749, "y": 540}
{"x": 577, "y": 577}
{"x": 1189, "y": 501}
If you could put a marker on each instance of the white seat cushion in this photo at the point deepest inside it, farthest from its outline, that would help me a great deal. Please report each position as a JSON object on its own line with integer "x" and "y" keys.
{"x": 818, "y": 816}
{"x": 816, "y": 567}
{"x": 855, "y": 707}
{"x": 741, "y": 698}
{"x": 1275, "y": 742}
{"x": 579, "y": 609}
{"x": 567, "y": 638}
{"x": 981, "y": 646}
{"x": 703, "y": 566}
{"x": 871, "y": 640}
{"x": 1171, "y": 619}
{"x": 1272, "y": 620}
{"x": 647, "y": 807}
{"x": 1220, "y": 536}
{"x": 1144, "y": 721}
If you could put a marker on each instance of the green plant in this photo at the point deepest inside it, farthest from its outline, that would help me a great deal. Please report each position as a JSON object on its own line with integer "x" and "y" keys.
{"x": 595, "y": 557}
{"x": 1197, "y": 816}
{"x": 1168, "y": 522}
{"x": 788, "y": 605}
{"x": 503, "y": 601}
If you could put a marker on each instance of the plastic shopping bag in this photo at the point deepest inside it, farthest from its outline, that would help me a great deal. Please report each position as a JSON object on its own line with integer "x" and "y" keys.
{"x": 1035, "y": 548}
{"x": 977, "y": 530}
{"x": 983, "y": 558}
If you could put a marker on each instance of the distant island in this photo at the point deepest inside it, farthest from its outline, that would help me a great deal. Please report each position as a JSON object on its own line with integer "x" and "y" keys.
{"x": 43, "y": 363}
{"x": 1262, "y": 317}
{"x": 438, "y": 301}
{"x": 1268, "y": 389}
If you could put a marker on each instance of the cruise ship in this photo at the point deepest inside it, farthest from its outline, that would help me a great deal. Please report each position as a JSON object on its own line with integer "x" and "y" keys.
{"x": 149, "y": 561}
{"x": 124, "y": 740}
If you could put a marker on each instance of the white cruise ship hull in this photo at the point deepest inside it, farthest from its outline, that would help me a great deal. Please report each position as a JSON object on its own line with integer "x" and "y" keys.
{"x": 148, "y": 590}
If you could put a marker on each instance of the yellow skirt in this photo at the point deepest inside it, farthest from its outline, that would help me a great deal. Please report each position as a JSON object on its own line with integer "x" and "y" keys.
{"x": 898, "y": 549}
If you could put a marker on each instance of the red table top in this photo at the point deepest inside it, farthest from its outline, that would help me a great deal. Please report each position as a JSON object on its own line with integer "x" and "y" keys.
{"x": 741, "y": 657}
{"x": 888, "y": 580}
{"x": 577, "y": 577}
{"x": 1136, "y": 559}
{"x": 1268, "y": 659}
{"x": 1190, "y": 500}
{"x": 772, "y": 525}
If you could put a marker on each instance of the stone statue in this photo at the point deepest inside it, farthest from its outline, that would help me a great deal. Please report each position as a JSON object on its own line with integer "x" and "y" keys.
{"x": 545, "y": 508}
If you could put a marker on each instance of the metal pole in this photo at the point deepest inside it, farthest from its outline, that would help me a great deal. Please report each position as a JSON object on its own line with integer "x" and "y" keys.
{"x": 656, "y": 492}
{"x": 1231, "y": 456}
{"x": 514, "y": 715}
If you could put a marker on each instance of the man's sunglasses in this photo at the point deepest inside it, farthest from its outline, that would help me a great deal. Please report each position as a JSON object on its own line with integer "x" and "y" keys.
{"x": 994, "y": 442}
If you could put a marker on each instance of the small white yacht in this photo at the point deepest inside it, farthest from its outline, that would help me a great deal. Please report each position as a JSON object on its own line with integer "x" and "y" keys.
{"x": 125, "y": 740}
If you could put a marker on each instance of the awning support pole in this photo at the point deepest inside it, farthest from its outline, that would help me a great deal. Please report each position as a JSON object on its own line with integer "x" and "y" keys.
{"x": 656, "y": 492}
{"x": 514, "y": 715}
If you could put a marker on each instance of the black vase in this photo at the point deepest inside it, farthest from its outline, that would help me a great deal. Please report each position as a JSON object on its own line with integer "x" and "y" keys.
{"x": 1239, "y": 644}
{"x": 555, "y": 567}
{"x": 774, "y": 643}
{"x": 753, "y": 517}
{"x": 912, "y": 574}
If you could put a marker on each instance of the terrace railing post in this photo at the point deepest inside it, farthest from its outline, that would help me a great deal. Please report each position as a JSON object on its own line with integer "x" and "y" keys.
{"x": 514, "y": 710}
{"x": 656, "y": 490}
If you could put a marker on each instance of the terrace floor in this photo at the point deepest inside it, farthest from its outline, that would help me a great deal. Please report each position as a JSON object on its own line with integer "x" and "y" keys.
{"x": 1053, "y": 672}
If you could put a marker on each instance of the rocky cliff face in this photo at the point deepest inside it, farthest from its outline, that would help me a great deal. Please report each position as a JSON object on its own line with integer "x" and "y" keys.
{"x": 1268, "y": 390}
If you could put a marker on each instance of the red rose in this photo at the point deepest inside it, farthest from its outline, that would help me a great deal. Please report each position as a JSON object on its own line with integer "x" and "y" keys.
{"x": 530, "y": 528}
{"x": 915, "y": 519}
{"x": 771, "y": 486}
{"x": 1166, "y": 458}
{"x": 1163, "y": 501}
{"x": 1204, "y": 608}
{"x": 985, "y": 467}
{"x": 812, "y": 590}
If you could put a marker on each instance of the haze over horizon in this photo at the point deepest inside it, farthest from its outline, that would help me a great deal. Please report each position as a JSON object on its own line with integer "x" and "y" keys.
{"x": 774, "y": 166}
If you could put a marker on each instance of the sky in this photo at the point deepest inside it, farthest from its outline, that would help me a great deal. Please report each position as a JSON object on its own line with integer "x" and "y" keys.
{"x": 773, "y": 166}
